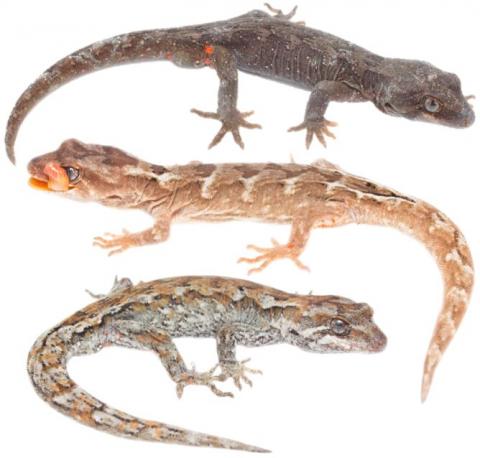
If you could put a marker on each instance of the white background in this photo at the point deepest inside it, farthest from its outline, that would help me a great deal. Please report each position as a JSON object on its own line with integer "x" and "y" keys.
{"x": 304, "y": 404}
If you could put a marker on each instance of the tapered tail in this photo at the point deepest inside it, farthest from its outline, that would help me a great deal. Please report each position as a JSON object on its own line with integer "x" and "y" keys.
{"x": 122, "y": 49}
{"x": 47, "y": 369}
{"x": 447, "y": 244}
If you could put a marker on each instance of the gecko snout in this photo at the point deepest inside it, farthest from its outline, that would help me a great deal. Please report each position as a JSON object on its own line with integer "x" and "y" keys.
{"x": 469, "y": 116}
{"x": 379, "y": 342}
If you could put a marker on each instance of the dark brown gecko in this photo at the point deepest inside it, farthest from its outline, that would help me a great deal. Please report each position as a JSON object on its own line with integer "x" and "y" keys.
{"x": 331, "y": 68}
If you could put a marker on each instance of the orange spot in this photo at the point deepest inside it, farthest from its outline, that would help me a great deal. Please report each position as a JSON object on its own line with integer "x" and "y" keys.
{"x": 208, "y": 49}
{"x": 169, "y": 55}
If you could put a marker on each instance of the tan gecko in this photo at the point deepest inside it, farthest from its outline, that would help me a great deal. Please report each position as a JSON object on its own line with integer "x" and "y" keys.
{"x": 318, "y": 195}
{"x": 150, "y": 315}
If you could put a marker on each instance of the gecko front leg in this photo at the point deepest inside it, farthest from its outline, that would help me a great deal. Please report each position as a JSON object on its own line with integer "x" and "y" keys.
{"x": 162, "y": 344}
{"x": 223, "y": 61}
{"x": 229, "y": 365}
{"x": 159, "y": 232}
{"x": 314, "y": 122}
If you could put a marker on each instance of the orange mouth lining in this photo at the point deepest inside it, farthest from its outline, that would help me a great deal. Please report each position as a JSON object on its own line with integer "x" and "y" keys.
{"x": 40, "y": 185}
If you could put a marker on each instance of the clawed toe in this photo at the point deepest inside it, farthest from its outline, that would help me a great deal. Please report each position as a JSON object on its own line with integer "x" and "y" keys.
{"x": 115, "y": 243}
{"x": 237, "y": 371}
{"x": 268, "y": 255}
{"x": 205, "y": 114}
{"x": 318, "y": 128}
{"x": 230, "y": 123}
{"x": 278, "y": 13}
{"x": 206, "y": 379}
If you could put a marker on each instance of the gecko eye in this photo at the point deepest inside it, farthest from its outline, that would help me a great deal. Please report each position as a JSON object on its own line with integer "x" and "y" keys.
{"x": 72, "y": 173}
{"x": 339, "y": 327}
{"x": 432, "y": 105}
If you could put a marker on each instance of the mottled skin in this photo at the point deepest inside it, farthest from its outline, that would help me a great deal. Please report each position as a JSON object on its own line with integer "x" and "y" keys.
{"x": 150, "y": 315}
{"x": 330, "y": 68}
{"x": 307, "y": 197}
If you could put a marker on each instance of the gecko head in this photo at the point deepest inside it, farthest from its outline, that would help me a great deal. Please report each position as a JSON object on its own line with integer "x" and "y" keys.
{"x": 82, "y": 171}
{"x": 334, "y": 324}
{"x": 419, "y": 91}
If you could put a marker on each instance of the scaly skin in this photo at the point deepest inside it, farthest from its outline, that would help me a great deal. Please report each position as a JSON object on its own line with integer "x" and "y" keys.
{"x": 150, "y": 315}
{"x": 319, "y": 195}
{"x": 330, "y": 68}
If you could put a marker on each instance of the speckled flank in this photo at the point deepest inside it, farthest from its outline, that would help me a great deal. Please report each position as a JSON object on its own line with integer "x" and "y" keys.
{"x": 149, "y": 315}
{"x": 273, "y": 47}
{"x": 320, "y": 195}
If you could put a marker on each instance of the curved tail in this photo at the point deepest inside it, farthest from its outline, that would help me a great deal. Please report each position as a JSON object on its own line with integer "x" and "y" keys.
{"x": 122, "y": 49}
{"x": 447, "y": 244}
{"x": 47, "y": 369}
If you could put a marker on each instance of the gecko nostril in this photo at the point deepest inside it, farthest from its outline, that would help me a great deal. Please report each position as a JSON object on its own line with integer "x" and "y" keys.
{"x": 365, "y": 310}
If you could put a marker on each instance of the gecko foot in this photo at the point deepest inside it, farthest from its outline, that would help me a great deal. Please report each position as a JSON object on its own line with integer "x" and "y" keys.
{"x": 238, "y": 371}
{"x": 116, "y": 243}
{"x": 319, "y": 128}
{"x": 268, "y": 255}
{"x": 278, "y": 13}
{"x": 230, "y": 123}
{"x": 118, "y": 285}
{"x": 192, "y": 377}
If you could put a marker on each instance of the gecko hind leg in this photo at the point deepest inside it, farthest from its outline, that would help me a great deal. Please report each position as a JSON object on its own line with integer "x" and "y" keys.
{"x": 192, "y": 377}
{"x": 268, "y": 255}
{"x": 118, "y": 285}
{"x": 301, "y": 226}
{"x": 225, "y": 64}
{"x": 231, "y": 124}
{"x": 278, "y": 13}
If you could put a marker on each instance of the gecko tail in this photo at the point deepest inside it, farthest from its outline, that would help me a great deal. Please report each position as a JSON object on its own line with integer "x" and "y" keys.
{"x": 144, "y": 46}
{"x": 449, "y": 248}
{"x": 47, "y": 369}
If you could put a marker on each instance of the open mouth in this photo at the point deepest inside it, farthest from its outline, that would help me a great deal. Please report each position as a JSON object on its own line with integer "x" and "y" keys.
{"x": 390, "y": 109}
{"x": 39, "y": 185}
{"x": 54, "y": 178}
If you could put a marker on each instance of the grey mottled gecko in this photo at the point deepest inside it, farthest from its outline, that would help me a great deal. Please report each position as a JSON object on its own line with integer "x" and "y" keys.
{"x": 150, "y": 315}
{"x": 332, "y": 69}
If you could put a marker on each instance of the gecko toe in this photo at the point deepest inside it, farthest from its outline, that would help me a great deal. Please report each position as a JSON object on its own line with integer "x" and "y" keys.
{"x": 205, "y": 114}
{"x": 268, "y": 255}
{"x": 237, "y": 138}
{"x": 319, "y": 128}
{"x": 231, "y": 122}
{"x": 218, "y": 137}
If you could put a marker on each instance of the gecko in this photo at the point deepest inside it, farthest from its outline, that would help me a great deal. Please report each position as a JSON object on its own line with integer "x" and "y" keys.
{"x": 149, "y": 316}
{"x": 304, "y": 196}
{"x": 273, "y": 47}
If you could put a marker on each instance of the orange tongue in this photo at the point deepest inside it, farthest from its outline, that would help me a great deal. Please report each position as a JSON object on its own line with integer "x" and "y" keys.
{"x": 57, "y": 177}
